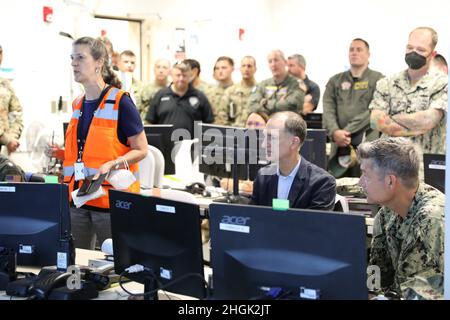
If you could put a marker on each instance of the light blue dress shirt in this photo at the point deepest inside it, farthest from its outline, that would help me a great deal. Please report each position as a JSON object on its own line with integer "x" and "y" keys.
{"x": 285, "y": 182}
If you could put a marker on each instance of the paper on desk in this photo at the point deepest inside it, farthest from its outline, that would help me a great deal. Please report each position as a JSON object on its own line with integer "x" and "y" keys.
{"x": 79, "y": 201}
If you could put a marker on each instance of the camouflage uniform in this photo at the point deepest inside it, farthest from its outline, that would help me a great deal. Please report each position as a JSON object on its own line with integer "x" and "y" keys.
{"x": 11, "y": 123}
{"x": 144, "y": 94}
{"x": 410, "y": 251}
{"x": 203, "y": 86}
{"x": 214, "y": 95}
{"x": 395, "y": 95}
{"x": 234, "y": 104}
{"x": 346, "y": 102}
{"x": 270, "y": 97}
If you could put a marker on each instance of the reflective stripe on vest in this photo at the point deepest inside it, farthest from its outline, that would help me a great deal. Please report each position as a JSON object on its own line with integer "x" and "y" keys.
{"x": 76, "y": 114}
{"x": 68, "y": 171}
{"x": 108, "y": 112}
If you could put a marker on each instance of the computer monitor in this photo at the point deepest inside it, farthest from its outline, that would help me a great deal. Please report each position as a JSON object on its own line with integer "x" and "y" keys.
{"x": 160, "y": 136}
{"x": 313, "y": 120}
{"x": 314, "y": 147}
{"x": 218, "y": 148}
{"x": 257, "y": 251}
{"x": 434, "y": 170}
{"x": 159, "y": 234}
{"x": 35, "y": 223}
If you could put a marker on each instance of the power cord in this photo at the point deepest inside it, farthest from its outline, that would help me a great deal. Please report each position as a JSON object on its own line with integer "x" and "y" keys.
{"x": 136, "y": 269}
{"x": 139, "y": 268}
{"x": 183, "y": 277}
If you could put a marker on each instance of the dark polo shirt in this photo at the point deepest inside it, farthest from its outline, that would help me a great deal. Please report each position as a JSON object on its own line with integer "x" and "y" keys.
{"x": 169, "y": 108}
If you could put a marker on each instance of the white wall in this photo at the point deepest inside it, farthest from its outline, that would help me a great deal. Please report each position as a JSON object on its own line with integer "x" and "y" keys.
{"x": 39, "y": 57}
{"x": 211, "y": 28}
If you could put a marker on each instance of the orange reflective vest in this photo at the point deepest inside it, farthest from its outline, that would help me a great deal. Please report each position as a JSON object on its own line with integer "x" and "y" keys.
{"x": 102, "y": 144}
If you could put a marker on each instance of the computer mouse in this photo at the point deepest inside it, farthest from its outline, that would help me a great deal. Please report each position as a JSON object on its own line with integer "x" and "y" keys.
{"x": 196, "y": 188}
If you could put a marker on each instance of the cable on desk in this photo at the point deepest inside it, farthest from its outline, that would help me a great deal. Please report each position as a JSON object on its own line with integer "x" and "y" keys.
{"x": 136, "y": 269}
{"x": 160, "y": 286}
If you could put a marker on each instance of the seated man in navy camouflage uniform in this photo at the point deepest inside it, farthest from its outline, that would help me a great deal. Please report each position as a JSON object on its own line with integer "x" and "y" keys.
{"x": 408, "y": 232}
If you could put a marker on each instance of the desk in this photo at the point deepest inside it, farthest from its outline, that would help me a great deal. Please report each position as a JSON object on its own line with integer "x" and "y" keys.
{"x": 115, "y": 292}
{"x": 355, "y": 205}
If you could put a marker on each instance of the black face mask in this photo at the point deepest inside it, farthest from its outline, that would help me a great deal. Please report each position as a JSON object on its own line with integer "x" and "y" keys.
{"x": 414, "y": 60}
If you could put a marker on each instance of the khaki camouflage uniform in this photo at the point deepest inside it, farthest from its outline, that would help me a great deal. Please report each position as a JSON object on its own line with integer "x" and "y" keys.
{"x": 270, "y": 97}
{"x": 11, "y": 123}
{"x": 203, "y": 86}
{"x": 144, "y": 94}
{"x": 410, "y": 251}
{"x": 214, "y": 95}
{"x": 234, "y": 105}
{"x": 395, "y": 95}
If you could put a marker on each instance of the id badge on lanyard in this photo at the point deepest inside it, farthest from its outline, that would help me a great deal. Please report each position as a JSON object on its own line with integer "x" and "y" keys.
{"x": 79, "y": 171}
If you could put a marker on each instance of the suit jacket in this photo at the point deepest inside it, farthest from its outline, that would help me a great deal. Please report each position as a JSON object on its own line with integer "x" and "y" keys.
{"x": 312, "y": 188}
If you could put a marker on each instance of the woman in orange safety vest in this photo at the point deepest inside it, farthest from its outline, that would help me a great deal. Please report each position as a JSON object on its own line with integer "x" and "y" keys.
{"x": 104, "y": 133}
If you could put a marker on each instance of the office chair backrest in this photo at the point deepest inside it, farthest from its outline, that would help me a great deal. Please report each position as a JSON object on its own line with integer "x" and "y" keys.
{"x": 147, "y": 170}
{"x": 159, "y": 166}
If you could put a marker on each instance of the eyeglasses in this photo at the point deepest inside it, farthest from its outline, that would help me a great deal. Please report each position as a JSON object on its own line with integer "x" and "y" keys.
{"x": 255, "y": 124}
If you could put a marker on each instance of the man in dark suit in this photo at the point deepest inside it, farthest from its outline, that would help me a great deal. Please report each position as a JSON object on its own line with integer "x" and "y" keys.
{"x": 290, "y": 176}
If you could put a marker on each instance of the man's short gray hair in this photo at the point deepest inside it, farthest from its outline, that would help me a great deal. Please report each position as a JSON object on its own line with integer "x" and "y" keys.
{"x": 278, "y": 53}
{"x": 294, "y": 124}
{"x": 397, "y": 156}
{"x": 299, "y": 58}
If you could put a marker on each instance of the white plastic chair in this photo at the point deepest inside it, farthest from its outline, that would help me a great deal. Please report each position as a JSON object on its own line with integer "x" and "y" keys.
{"x": 147, "y": 171}
{"x": 159, "y": 166}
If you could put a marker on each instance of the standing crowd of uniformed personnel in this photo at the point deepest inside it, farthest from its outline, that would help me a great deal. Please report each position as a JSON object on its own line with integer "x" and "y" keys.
{"x": 233, "y": 104}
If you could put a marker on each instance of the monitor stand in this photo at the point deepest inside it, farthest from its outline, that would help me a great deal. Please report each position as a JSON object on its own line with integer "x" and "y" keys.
{"x": 235, "y": 197}
{"x": 150, "y": 284}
